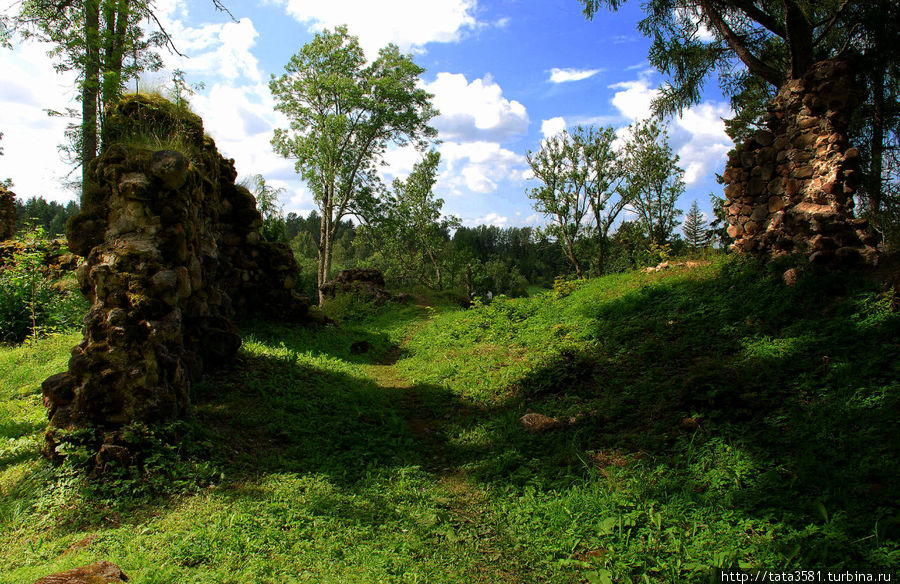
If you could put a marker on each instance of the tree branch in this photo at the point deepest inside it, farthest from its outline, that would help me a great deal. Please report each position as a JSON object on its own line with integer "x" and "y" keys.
{"x": 753, "y": 63}
{"x": 764, "y": 18}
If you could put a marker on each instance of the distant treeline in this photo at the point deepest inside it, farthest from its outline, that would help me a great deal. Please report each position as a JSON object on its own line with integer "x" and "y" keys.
{"x": 51, "y": 216}
{"x": 503, "y": 260}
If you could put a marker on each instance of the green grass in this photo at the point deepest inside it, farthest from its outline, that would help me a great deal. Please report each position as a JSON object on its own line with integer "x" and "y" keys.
{"x": 714, "y": 418}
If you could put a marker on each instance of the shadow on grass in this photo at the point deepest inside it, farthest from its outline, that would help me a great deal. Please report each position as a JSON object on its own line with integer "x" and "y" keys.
{"x": 779, "y": 403}
{"x": 730, "y": 397}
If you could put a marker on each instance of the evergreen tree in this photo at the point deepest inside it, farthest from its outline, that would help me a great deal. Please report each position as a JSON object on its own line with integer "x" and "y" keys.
{"x": 694, "y": 228}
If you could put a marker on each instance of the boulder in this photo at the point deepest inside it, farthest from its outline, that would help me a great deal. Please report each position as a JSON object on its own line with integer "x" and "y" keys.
{"x": 96, "y": 573}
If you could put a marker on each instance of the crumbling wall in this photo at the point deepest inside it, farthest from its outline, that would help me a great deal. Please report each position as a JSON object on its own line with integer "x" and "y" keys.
{"x": 171, "y": 248}
{"x": 790, "y": 188}
{"x": 7, "y": 213}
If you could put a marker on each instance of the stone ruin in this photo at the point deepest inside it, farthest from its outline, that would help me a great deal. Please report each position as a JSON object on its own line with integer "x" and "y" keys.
{"x": 790, "y": 188}
{"x": 172, "y": 252}
{"x": 7, "y": 214}
{"x": 364, "y": 282}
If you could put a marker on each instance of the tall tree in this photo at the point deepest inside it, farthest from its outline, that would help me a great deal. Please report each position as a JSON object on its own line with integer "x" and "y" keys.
{"x": 604, "y": 176}
{"x": 654, "y": 179}
{"x": 105, "y": 41}
{"x": 582, "y": 178}
{"x": 755, "y": 46}
{"x": 409, "y": 231}
{"x": 562, "y": 195}
{"x": 343, "y": 114}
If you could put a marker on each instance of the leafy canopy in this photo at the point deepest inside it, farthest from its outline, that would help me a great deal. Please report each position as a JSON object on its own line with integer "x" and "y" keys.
{"x": 344, "y": 113}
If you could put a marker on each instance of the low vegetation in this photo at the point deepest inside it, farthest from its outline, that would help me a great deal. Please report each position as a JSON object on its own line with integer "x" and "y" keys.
{"x": 37, "y": 295}
{"x": 707, "y": 418}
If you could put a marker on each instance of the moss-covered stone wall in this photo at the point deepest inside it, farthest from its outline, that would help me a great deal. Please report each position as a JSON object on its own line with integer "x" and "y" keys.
{"x": 790, "y": 187}
{"x": 171, "y": 251}
{"x": 7, "y": 214}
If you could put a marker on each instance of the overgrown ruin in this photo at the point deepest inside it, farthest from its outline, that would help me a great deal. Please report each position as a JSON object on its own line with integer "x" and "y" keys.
{"x": 7, "y": 213}
{"x": 172, "y": 251}
{"x": 791, "y": 187}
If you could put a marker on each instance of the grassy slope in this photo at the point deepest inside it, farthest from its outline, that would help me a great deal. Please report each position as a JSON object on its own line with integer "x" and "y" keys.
{"x": 309, "y": 462}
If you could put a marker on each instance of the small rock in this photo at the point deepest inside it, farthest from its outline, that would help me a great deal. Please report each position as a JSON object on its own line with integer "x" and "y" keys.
{"x": 96, "y": 573}
{"x": 536, "y": 423}
{"x": 689, "y": 424}
{"x": 114, "y": 453}
{"x": 170, "y": 167}
{"x": 790, "y": 277}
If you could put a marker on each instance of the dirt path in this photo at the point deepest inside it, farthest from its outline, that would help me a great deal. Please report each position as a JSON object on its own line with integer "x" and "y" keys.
{"x": 465, "y": 500}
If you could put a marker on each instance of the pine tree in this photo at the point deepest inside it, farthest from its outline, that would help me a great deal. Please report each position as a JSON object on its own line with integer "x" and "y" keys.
{"x": 695, "y": 230}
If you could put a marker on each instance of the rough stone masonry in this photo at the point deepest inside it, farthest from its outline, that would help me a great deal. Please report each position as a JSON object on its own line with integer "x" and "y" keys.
{"x": 790, "y": 188}
{"x": 172, "y": 249}
{"x": 7, "y": 214}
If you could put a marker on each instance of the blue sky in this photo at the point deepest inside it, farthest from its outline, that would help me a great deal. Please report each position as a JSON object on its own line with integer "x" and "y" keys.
{"x": 505, "y": 73}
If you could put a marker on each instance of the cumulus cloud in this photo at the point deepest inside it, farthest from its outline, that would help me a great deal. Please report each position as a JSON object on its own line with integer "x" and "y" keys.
{"x": 633, "y": 98}
{"x": 478, "y": 166}
{"x": 409, "y": 24}
{"x": 706, "y": 144}
{"x": 489, "y": 219}
{"x": 553, "y": 126}
{"x": 566, "y": 75}
{"x": 476, "y": 110}
{"x": 697, "y": 136}
{"x": 223, "y": 50}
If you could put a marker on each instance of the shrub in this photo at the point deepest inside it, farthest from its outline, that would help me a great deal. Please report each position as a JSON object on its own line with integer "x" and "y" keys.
{"x": 32, "y": 302}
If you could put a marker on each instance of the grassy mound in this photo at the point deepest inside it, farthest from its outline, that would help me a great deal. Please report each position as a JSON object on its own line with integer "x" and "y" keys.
{"x": 708, "y": 419}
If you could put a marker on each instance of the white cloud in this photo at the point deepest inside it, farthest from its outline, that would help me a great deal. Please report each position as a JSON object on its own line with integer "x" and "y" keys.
{"x": 705, "y": 143}
{"x": 399, "y": 162}
{"x": 410, "y": 24}
{"x": 30, "y": 138}
{"x": 565, "y": 75}
{"x": 221, "y": 50}
{"x": 553, "y": 126}
{"x": 478, "y": 166}
{"x": 489, "y": 219}
{"x": 476, "y": 110}
{"x": 634, "y": 97}
{"x": 697, "y": 136}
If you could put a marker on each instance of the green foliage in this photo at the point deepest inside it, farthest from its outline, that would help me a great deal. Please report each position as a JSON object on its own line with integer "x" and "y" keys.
{"x": 701, "y": 428}
{"x": 150, "y": 121}
{"x": 695, "y": 228}
{"x": 581, "y": 178}
{"x": 755, "y": 47}
{"x": 32, "y": 302}
{"x": 273, "y": 227}
{"x": 563, "y": 286}
{"x": 49, "y": 216}
{"x": 343, "y": 113}
{"x": 655, "y": 181}
{"x": 408, "y": 232}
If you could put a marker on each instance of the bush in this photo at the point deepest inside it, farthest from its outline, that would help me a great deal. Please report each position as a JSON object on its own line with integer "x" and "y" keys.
{"x": 32, "y": 303}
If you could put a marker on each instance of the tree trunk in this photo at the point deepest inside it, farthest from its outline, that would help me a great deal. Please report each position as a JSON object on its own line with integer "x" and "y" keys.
{"x": 90, "y": 89}
{"x": 116, "y": 14}
{"x": 329, "y": 249}
{"x": 437, "y": 269}
{"x": 320, "y": 249}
